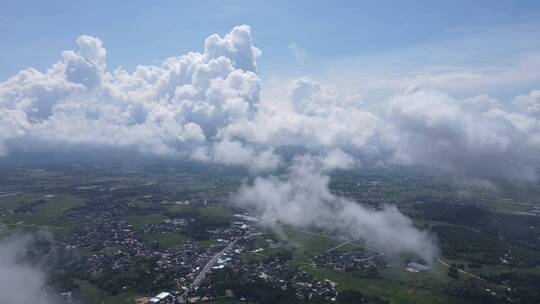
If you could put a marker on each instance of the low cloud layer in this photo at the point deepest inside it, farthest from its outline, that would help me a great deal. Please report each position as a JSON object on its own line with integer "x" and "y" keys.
{"x": 20, "y": 282}
{"x": 471, "y": 138}
{"x": 302, "y": 199}
{"x": 206, "y": 106}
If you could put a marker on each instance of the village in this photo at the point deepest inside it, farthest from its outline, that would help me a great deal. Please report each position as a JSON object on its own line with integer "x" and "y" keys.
{"x": 186, "y": 273}
{"x": 143, "y": 241}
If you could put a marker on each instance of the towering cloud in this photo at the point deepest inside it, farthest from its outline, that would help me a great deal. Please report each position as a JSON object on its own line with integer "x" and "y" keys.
{"x": 169, "y": 109}
{"x": 206, "y": 106}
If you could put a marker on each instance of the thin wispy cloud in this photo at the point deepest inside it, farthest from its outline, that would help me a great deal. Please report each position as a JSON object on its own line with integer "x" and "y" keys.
{"x": 501, "y": 60}
{"x": 299, "y": 53}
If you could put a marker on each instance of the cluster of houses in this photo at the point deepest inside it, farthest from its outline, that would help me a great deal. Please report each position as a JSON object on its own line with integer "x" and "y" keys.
{"x": 344, "y": 261}
{"x": 182, "y": 264}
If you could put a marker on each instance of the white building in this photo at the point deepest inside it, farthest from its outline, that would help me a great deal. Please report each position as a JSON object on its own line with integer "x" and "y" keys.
{"x": 162, "y": 298}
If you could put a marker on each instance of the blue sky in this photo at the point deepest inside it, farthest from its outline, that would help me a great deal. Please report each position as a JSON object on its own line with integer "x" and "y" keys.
{"x": 359, "y": 45}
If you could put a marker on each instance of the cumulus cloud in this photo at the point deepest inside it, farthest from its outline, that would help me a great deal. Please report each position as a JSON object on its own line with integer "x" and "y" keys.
{"x": 207, "y": 106}
{"x": 313, "y": 116}
{"x": 337, "y": 159}
{"x": 529, "y": 104}
{"x": 171, "y": 109}
{"x": 302, "y": 199}
{"x": 235, "y": 153}
{"x": 435, "y": 130}
{"x": 20, "y": 282}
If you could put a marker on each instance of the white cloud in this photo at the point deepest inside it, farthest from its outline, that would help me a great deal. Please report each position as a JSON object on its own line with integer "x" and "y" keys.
{"x": 87, "y": 65}
{"x": 530, "y": 104}
{"x": 231, "y": 152}
{"x": 299, "y": 53}
{"x": 169, "y": 109}
{"x": 337, "y": 159}
{"x": 483, "y": 102}
{"x": 20, "y": 282}
{"x": 302, "y": 199}
{"x": 435, "y": 130}
{"x": 207, "y": 106}
{"x": 314, "y": 116}
{"x": 236, "y": 46}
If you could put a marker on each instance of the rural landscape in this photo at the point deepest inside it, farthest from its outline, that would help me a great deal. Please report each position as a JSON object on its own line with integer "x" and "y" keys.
{"x": 270, "y": 152}
{"x": 122, "y": 232}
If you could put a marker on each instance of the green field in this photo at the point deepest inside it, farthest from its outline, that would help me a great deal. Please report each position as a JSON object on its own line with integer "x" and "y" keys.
{"x": 167, "y": 239}
{"x": 394, "y": 284}
{"x": 58, "y": 205}
{"x": 90, "y": 293}
{"x": 138, "y": 221}
{"x": 507, "y": 207}
{"x": 177, "y": 208}
{"x": 394, "y": 290}
{"x": 39, "y": 221}
{"x": 54, "y": 205}
{"x": 215, "y": 211}
{"x": 127, "y": 297}
{"x": 311, "y": 244}
{"x": 14, "y": 201}
{"x": 45, "y": 215}
{"x": 207, "y": 243}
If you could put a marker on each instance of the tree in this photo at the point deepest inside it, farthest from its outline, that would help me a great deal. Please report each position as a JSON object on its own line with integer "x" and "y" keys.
{"x": 372, "y": 272}
{"x": 453, "y": 271}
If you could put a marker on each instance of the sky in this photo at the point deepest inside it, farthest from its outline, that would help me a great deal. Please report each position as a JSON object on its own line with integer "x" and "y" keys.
{"x": 364, "y": 47}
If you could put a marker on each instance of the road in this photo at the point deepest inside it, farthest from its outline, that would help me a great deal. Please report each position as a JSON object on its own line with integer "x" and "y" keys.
{"x": 205, "y": 270}
{"x": 34, "y": 225}
{"x": 340, "y": 245}
{"x": 9, "y": 194}
{"x": 472, "y": 275}
{"x": 335, "y": 238}
{"x": 510, "y": 202}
